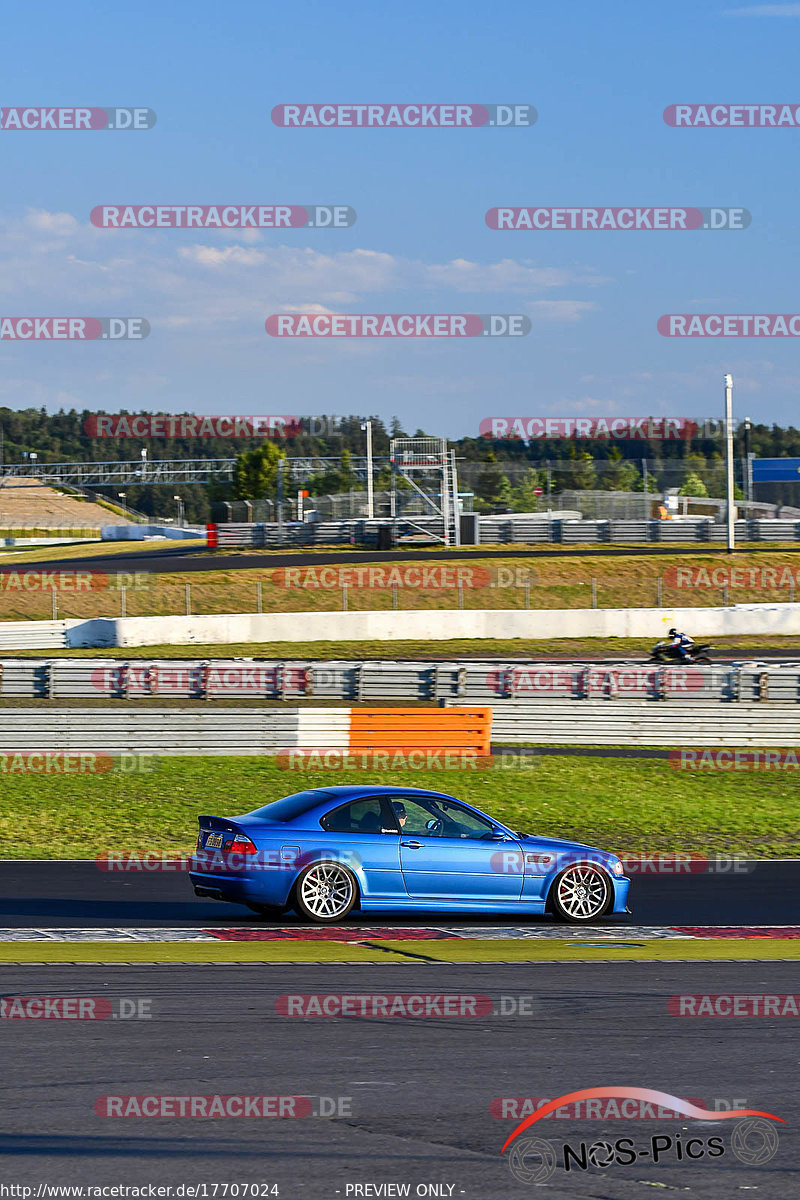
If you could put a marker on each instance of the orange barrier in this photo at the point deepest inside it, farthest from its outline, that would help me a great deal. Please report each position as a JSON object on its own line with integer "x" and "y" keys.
{"x": 406, "y": 729}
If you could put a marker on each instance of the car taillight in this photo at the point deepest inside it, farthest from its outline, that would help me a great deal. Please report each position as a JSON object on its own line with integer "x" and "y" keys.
{"x": 199, "y": 845}
{"x": 241, "y": 845}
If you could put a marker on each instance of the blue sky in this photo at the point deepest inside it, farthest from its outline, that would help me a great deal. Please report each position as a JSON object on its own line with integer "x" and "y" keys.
{"x": 599, "y": 76}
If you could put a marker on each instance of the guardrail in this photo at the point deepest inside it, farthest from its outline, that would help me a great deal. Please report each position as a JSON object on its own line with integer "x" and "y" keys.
{"x": 637, "y": 723}
{"x": 258, "y": 731}
{"x": 503, "y": 530}
{"x": 472, "y": 681}
{"x": 461, "y": 731}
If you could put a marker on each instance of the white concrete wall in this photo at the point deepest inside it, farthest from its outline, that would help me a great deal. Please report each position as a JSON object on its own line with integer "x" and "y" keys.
{"x": 436, "y": 625}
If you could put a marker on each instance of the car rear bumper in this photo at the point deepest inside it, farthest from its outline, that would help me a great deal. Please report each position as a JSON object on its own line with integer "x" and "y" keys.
{"x": 271, "y": 888}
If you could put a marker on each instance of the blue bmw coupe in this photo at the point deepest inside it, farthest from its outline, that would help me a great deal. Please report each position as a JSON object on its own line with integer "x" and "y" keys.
{"x": 326, "y": 851}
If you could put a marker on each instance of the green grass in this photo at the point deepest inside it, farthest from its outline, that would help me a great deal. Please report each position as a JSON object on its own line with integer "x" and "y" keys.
{"x": 626, "y": 805}
{"x": 568, "y": 648}
{"x": 557, "y": 581}
{"x": 468, "y": 950}
{"x": 193, "y": 952}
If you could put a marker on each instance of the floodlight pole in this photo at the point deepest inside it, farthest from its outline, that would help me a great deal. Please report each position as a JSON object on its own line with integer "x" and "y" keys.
{"x": 731, "y": 512}
{"x": 370, "y": 499}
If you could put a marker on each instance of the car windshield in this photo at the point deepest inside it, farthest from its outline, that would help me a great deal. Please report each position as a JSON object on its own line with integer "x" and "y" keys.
{"x": 290, "y": 806}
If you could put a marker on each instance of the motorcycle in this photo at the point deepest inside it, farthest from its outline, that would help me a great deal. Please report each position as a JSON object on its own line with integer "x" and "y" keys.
{"x": 666, "y": 652}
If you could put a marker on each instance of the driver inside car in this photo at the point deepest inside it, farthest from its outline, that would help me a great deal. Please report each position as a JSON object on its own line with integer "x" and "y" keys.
{"x": 423, "y": 820}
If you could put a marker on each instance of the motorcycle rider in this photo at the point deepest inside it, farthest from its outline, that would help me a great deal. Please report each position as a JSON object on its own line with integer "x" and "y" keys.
{"x": 682, "y": 643}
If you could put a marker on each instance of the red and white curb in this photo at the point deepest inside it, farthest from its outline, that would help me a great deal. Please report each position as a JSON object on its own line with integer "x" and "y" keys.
{"x": 354, "y": 933}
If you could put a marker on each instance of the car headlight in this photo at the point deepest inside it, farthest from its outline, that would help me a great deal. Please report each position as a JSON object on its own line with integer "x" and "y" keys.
{"x": 617, "y": 868}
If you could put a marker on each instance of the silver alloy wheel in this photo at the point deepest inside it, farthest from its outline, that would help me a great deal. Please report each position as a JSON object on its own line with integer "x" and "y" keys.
{"x": 327, "y": 890}
{"x": 582, "y": 892}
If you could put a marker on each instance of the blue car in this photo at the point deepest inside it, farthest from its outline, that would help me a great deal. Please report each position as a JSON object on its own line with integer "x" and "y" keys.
{"x": 328, "y": 850}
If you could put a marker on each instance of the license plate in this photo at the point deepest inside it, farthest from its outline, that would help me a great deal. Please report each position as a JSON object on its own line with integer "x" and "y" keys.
{"x": 213, "y": 840}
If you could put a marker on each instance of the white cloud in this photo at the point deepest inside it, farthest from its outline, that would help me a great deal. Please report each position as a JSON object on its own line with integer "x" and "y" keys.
{"x": 561, "y": 310}
{"x": 217, "y": 284}
{"x": 58, "y": 224}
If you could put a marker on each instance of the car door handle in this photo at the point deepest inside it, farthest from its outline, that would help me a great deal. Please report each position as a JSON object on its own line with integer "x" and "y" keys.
{"x": 412, "y": 845}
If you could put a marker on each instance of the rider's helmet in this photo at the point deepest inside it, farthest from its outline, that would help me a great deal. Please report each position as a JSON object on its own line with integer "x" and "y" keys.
{"x": 673, "y": 633}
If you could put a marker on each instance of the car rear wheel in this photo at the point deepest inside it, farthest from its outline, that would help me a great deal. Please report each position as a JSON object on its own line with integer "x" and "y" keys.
{"x": 581, "y": 893}
{"x": 325, "y": 892}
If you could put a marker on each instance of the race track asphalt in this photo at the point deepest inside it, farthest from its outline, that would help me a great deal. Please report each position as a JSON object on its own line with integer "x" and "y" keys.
{"x": 78, "y": 894}
{"x": 414, "y": 1093}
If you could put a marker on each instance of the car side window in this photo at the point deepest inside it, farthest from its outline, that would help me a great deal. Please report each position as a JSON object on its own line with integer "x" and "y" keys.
{"x": 438, "y": 818}
{"x": 464, "y": 823}
{"x": 359, "y": 816}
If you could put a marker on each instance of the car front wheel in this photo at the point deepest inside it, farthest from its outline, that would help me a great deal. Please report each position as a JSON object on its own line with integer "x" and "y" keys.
{"x": 581, "y": 893}
{"x": 325, "y": 892}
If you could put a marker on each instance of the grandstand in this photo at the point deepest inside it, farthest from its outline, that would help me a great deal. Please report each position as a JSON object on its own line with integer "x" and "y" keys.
{"x": 26, "y": 504}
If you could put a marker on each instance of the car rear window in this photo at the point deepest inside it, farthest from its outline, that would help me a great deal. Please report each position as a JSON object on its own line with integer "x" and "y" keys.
{"x": 290, "y": 806}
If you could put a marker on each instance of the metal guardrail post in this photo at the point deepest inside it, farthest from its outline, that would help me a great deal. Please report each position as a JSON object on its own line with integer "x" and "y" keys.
{"x": 54, "y": 597}
{"x": 188, "y": 587}
{"x": 736, "y": 683}
{"x": 152, "y": 679}
{"x": 123, "y": 601}
{"x": 280, "y": 680}
{"x": 594, "y": 592}
{"x": 461, "y": 681}
{"x": 763, "y": 685}
{"x": 358, "y": 680}
{"x": 659, "y": 592}
{"x": 660, "y": 684}
{"x": 308, "y": 681}
{"x": 123, "y": 681}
